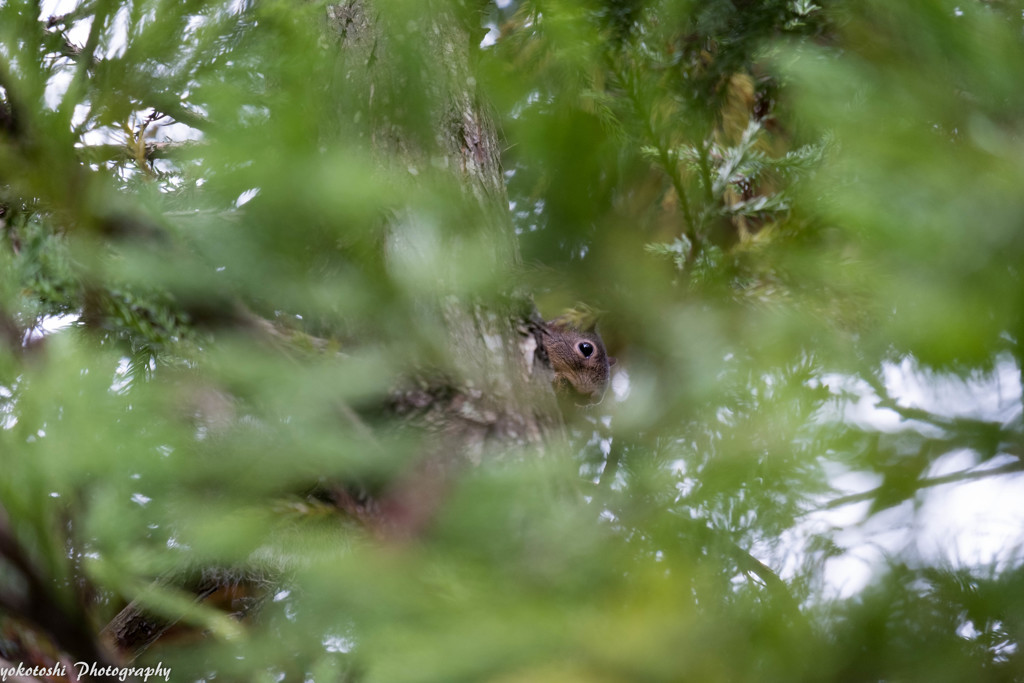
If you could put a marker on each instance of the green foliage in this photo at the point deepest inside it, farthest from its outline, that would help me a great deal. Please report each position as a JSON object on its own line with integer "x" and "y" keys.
{"x": 787, "y": 211}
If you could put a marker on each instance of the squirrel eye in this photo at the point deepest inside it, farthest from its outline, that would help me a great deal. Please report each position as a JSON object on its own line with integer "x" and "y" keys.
{"x": 586, "y": 348}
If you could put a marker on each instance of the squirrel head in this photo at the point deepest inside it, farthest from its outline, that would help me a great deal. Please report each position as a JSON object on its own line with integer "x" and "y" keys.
{"x": 578, "y": 357}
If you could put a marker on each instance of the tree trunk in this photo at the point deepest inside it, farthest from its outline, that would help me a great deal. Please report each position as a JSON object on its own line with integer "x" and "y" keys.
{"x": 500, "y": 399}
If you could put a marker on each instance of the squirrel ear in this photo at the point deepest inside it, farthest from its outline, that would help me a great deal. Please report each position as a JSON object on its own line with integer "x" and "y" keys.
{"x": 611, "y": 361}
{"x": 558, "y": 323}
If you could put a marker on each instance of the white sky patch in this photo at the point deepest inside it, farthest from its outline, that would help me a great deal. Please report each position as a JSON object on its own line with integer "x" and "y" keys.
{"x": 620, "y": 384}
{"x": 333, "y": 643}
{"x": 121, "y": 378}
{"x": 974, "y": 522}
{"x": 50, "y": 324}
{"x": 246, "y": 197}
{"x": 491, "y": 37}
{"x": 996, "y": 396}
{"x": 7, "y": 417}
{"x": 960, "y": 524}
{"x": 119, "y": 36}
{"x": 117, "y": 43}
{"x": 49, "y": 8}
{"x": 884, "y": 535}
{"x": 56, "y": 87}
{"x": 55, "y": 8}
{"x": 56, "y": 323}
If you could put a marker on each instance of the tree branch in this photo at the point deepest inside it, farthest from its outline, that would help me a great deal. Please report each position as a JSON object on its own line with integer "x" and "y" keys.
{"x": 965, "y": 475}
{"x": 154, "y": 150}
{"x": 39, "y": 606}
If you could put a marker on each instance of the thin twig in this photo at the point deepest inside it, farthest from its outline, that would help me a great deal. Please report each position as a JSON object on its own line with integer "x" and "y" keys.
{"x": 964, "y": 475}
{"x": 154, "y": 150}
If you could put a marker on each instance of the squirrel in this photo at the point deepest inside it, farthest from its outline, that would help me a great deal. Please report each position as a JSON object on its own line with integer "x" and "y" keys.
{"x": 581, "y": 364}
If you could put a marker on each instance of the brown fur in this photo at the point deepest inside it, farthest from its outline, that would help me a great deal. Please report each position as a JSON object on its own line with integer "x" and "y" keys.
{"x": 578, "y": 357}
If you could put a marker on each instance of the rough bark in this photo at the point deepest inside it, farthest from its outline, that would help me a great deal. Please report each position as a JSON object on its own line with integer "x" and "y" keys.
{"x": 500, "y": 399}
